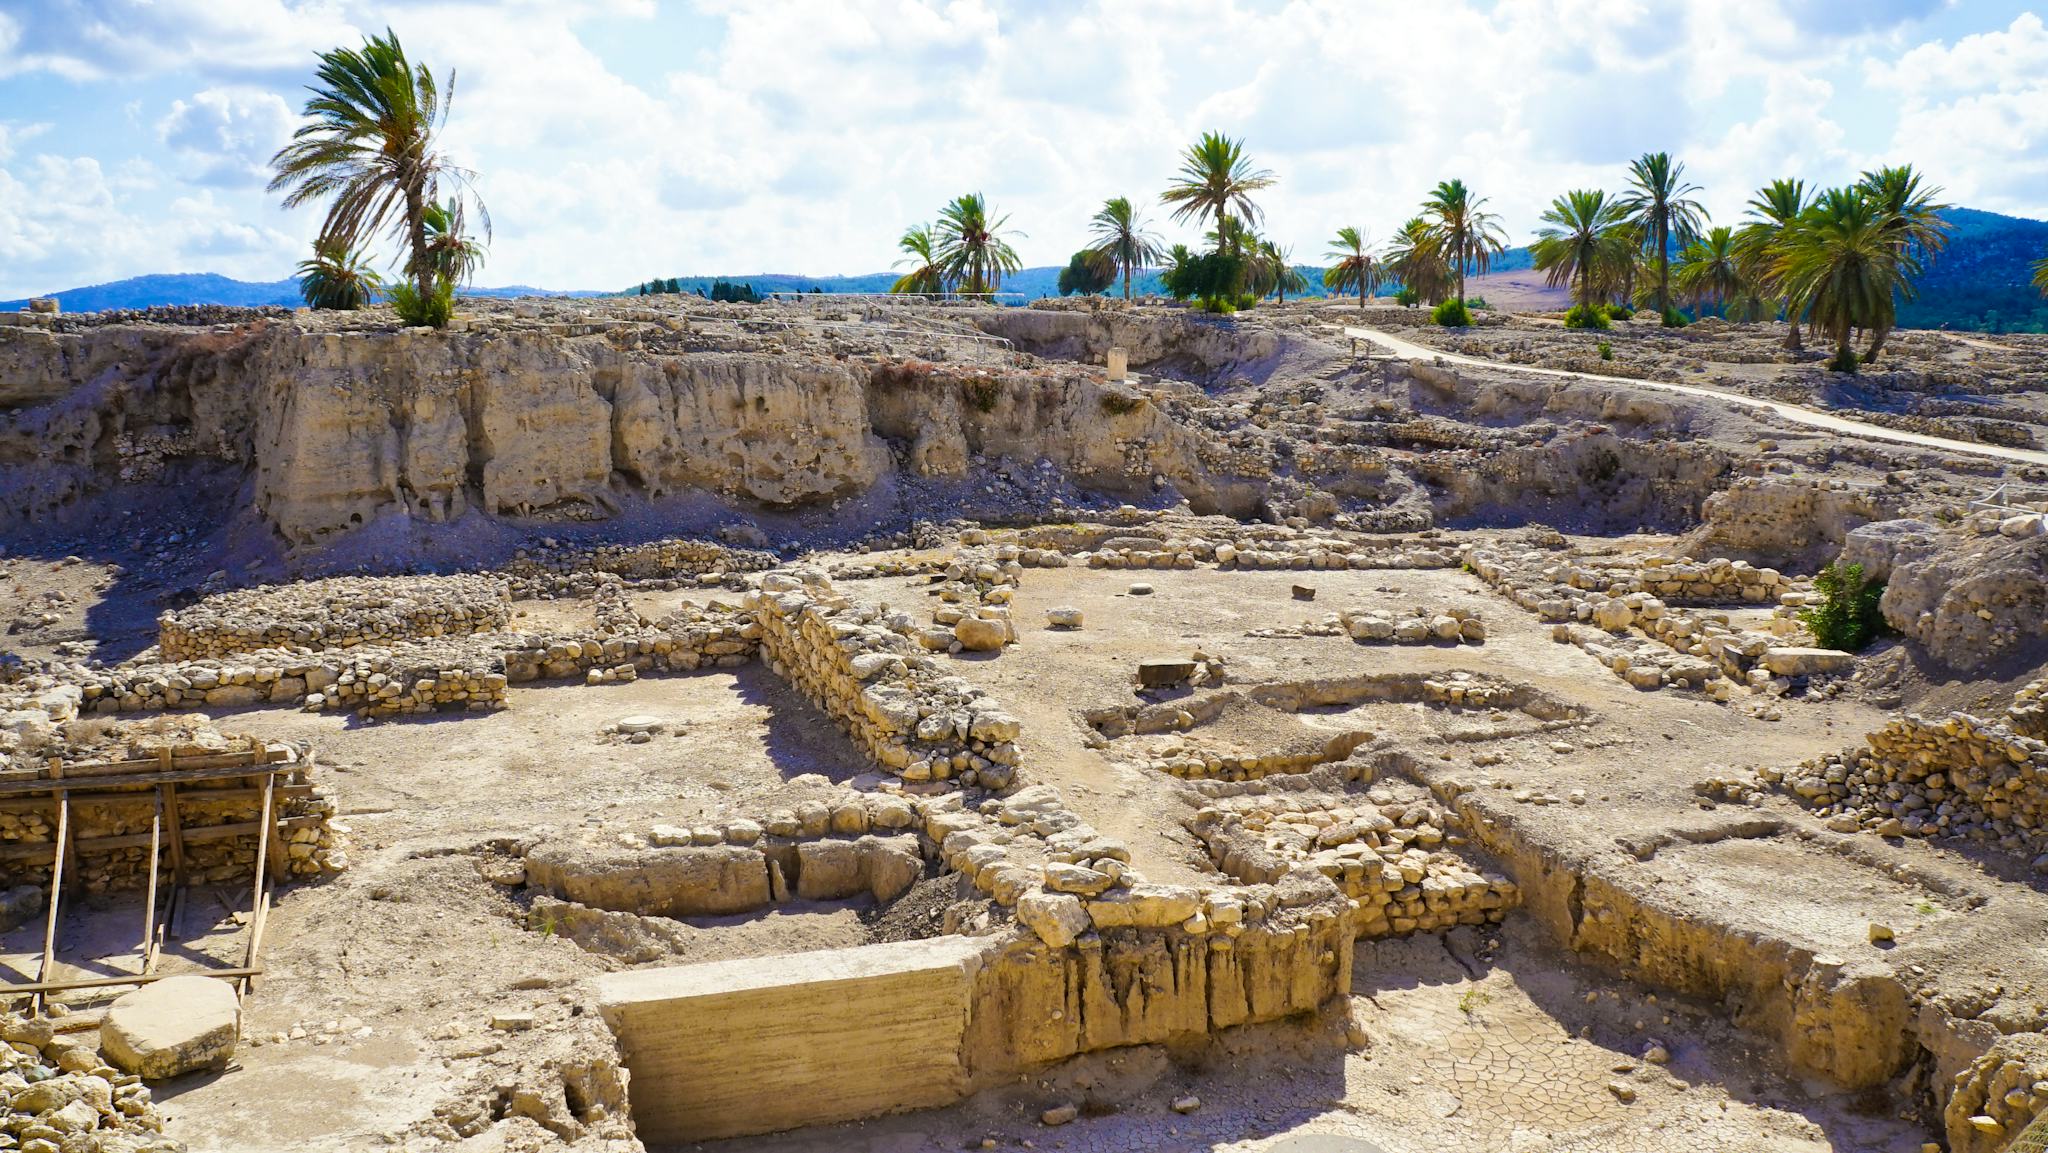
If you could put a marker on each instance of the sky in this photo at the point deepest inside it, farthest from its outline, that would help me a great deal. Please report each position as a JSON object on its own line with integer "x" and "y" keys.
{"x": 616, "y": 140}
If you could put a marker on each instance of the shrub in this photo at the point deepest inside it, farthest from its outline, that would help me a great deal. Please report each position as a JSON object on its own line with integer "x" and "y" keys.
{"x": 1407, "y": 298}
{"x": 432, "y": 311}
{"x": 1452, "y": 314}
{"x": 1843, "y": 361}
{"x": 1619, "y": 312}
{"x": 1674, "y": 318}
{"x": 1581, "y": 316}
{"x": 1477, "y": 302}
{"x": 982, "y": 393}
{"x": 1847, "y": 617}
{"x": 1606, "y": 351}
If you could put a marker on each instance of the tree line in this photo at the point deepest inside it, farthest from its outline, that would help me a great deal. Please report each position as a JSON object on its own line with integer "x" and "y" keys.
{"x": 1834, "y": 261}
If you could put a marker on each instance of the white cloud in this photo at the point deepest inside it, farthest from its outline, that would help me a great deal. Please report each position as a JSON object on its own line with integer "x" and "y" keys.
{"x": 230, "y": 133}
{"x": 810, "y": 133}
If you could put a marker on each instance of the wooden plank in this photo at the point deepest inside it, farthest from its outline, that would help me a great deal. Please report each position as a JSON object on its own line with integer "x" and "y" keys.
{"x": 138, "y": 840}
{"x": 56, "y": 894}
{"x": 259, "y": 899}
{"x": 169, "y": 792}
{"x": 116, "y": 800}
{"x": 132, "y": 780}
{"x": 156, "y": 829}
{"x": 125, "y": 979}
{"x": 244, "y": 757}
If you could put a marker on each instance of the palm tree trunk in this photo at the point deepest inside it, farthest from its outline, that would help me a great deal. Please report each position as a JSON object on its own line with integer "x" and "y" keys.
{"x": 1663, "y": 269}
{"x": 416, "y": 227}
{"x": 1127, "y": 280}
{"x": 1877, "y": 340}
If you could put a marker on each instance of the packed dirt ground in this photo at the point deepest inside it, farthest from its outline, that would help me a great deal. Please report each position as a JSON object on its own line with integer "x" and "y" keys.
{"x": 1474, "y": 705}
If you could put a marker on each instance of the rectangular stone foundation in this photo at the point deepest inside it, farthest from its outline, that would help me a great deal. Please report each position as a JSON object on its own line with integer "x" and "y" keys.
{"x": 754, "y": 1046}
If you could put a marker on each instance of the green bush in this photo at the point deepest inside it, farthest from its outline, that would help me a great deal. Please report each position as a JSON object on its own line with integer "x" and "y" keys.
{"x": 1606, "y": 351}
{"x": 1619, "y": 312}
{"x": 1477, "y": 302}
{"x": 1674, "y": 318}
{"x": 1407, "y": 298}
{"x": 1843, "y": 361}
{"x": 433, "y": 311}
{"x": 1452, "y": 314}
{"x": 1847, "y": 617}
{"x": 1581, "y": 316}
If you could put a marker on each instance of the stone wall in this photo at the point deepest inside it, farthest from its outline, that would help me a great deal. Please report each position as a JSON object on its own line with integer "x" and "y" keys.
{"x": 334, "y": 614}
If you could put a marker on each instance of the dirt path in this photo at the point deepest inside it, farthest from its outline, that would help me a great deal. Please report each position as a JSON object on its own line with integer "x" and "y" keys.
{"x": 1792, "y": 412}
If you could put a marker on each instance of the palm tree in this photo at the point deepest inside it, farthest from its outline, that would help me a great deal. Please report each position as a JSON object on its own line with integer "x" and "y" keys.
{"x": 1912, "y": 223}
{"x": 1586, "y": 238}
{"x": 1280, "y": 275}
{"x": 452, "y": 253}
{"x": 1710, "y": 269}
{"x": 1465, "y": 233}
{"x": 1662, "y": 208}
{"x": 972, "y": 249}
{"x": 337, "y": 277}
{"x": 369, "y": 149}
{"x": 921, "y": 253}
{"x": 1354, "y": 267}
{"x": 1774, "y": 211}
{"x": 1120, "y": 235}
{"x": 1840, "y": 267}
{"x": 2041, "y": 275}
{"x": 1216, "y": 178}
{"x": 1415, "y": 257}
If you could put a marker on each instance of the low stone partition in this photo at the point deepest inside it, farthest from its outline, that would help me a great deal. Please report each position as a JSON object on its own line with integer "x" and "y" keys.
{"x": 1644, "y": 640}
{"x": 862, "y": 668}
{"x": 1678, "y": 580}
{"x": 552, "y": 568}
{"x": 337, "y": 613}
{"x": 1958, "y": 776}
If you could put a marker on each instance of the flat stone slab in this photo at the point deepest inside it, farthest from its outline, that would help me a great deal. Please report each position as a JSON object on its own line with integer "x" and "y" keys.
{"x": 172, "y": 1026}
{"x": 640, "y": 723}
{"x": 1805, "y": 662}
{"x": 1163, "y": 672}
{"x": 727, "y": 1048}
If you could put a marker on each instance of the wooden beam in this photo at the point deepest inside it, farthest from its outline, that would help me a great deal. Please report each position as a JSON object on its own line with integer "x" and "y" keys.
{"x": 259, "y": 899}
{"x": 169, "y": 792}
{"x": 56, "y": 893}
{"x": 156, "y": 829}
{"x": 132, "y": 780}
{"x": 125, "y": 979}
{"x": 117, "y": 800}
{"x": 138, "y": 840}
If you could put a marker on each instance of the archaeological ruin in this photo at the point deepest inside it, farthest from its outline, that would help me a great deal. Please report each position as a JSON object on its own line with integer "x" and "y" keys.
{"x": 656, "y": 724}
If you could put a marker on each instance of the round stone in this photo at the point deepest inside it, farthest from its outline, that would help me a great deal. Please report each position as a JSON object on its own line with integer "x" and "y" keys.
{"x": 640, "y": 723}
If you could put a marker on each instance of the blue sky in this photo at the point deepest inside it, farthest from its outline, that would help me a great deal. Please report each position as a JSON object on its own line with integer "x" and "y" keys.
{"x": 619, "y": 139}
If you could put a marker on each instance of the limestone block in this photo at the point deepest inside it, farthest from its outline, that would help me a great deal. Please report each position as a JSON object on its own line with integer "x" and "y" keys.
{"x": 1804, "y": 662}
{"x": 172, "y": 1026}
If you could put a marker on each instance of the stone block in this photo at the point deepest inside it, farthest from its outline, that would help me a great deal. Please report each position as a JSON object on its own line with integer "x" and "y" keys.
{"x": 172, "y": 1026}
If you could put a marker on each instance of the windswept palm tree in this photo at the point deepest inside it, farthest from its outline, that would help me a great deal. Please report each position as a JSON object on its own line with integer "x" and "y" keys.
{"x": 1586, "y": 238}
{"x": 1841, "y": 269}
{"x": 1913, "y": 224}
{"x": 337, "y": 277}
{"x": 1709, "y": 271}
{"x": 368, "y": 148}
{"x": 972, "y": 249}
{"x": 1466, "y": 234}
{"x": 452, "y": 254}
{"x": 1661, "y": 206}
{"x": 1354, "y": 265}
{"x": 2041, "y": 275}
{"x": 921, "y": 253}
{"x": 1774, "y": 213}
{"x": 1215, "y": 180}
{"x": 1120, "y": 235}
{"x": 1415, "y": 257}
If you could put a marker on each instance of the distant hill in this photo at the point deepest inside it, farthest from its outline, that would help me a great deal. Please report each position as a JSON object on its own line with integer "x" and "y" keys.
{"x": 1983, "y": 283}
{"x": 211, "y": 288}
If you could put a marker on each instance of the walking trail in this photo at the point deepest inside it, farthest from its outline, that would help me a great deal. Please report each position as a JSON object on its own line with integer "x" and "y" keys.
{"x": 1792, "y": 412}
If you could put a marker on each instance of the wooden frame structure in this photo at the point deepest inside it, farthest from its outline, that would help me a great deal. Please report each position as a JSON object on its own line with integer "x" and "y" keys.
{"x": 155, "y": 782}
